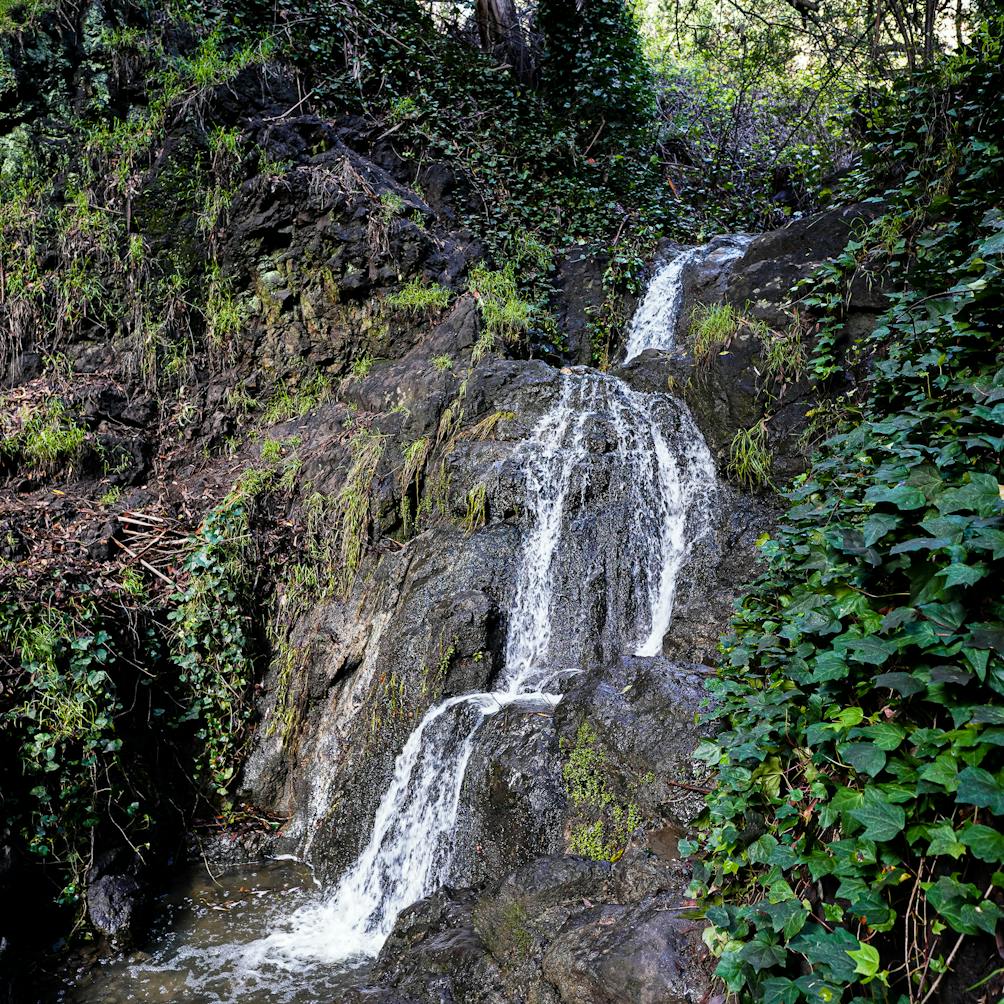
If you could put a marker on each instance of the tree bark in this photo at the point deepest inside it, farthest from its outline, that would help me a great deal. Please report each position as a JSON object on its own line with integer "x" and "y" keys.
{"x": 500, "y": 32}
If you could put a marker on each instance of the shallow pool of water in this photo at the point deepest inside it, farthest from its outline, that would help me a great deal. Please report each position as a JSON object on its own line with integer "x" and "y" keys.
{"x": 211, "y": 944}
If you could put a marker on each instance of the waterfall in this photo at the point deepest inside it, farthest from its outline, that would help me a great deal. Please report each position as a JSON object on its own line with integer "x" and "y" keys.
{"x": 618, "y": 487}
{"x": 660, "y": 474}
{"x": 655, "y": 322}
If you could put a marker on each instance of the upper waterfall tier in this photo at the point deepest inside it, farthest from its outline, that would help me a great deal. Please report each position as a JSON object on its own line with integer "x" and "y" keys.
{"x": 656, "y": 322}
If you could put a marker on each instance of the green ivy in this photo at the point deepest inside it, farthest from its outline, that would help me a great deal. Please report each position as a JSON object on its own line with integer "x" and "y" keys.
{"x": 212, "y": 644}
{"x": 852, "y": 847}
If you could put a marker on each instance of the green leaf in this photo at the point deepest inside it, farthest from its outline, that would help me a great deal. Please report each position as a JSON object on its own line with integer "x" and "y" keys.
{"x": 905, "y": 684}
{"x": 885, "y": 735}
{"x": 882, "y": 820}
{"x": 761, "y": 955}
{"x": 863, "y": 757}
{"x": 980, "y": 787}
{"x": 866, "y": 960}
{"x": 945, "y": 841}
{"x": 779, "y": 990}
{"x": 942, "y": 771}
{"x": 901, "y": 496}
{"x": 828, "y": 950}
{"x": 985, "y": 842}
{"x": 958, "y": 574}
{"x": 871, "y": 650}
{"x": 877, "y": 526}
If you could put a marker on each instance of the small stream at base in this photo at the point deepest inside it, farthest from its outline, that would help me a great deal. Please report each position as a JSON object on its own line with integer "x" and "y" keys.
{"x": 292, "y": 944}
{"x": 196, "y": 951}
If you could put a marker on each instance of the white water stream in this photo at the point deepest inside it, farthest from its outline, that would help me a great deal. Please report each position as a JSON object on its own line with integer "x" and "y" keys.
{"x": 655, "y": 496}
{"x": 657, "y": 319}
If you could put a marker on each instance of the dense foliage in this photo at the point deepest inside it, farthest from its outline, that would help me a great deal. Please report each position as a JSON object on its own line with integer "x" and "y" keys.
{"x": 852, "y": 847}
{"x": 109, "y": 752}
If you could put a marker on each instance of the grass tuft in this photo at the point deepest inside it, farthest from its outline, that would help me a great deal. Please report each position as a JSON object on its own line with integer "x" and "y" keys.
{"x": 750, "y": 458}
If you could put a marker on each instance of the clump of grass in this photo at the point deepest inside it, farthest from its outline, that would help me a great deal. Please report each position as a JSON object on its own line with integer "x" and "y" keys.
{"x": 476, "y": 515}
{"x": 452, "y": 417}
{"x": 712, "y": 327}
{"x": 750, "y": 458}
{"x": 418, "y": 297}
{"x": 225, "y": 314}
{"x": 402, "y": 109}
{"x": 132, "y": 582}
{"x": 391, "y": 205}
{"x": 505, "y": 316}
{"x": 47, "y": 435}
{"x": 442, "y": 363}
{"x": 111, "y": 496}
{"x": 211, "y": 64}
{"x": 783, "y": 354}
{"x": 351, "y": 511}
{"x": 253, "y": 482}
{"x": 239, "y": 401}
{"x": 410, "y": 477}
{"x": 288, "y": 402}
{"x": 361, "y": 367}
{"x": 271, "y": 450}
{"x": 487, "y": 427}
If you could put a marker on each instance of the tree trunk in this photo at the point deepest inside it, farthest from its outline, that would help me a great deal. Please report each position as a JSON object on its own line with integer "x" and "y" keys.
{"x": 501, "y": 33}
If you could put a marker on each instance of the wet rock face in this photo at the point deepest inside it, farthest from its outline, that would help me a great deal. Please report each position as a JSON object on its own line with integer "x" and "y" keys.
{"x": 643, "y": 713}
{"x": 552, "y": 932}
{"x": 644, "y": 954}
{"x": 513, "y": 784}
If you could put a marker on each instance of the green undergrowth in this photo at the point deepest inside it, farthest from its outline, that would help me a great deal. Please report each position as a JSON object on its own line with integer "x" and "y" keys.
{"x": 852, "y": 847}
{"x": 418, "y": 297}
{"x": 112, "y": 758}
{"x": 42, "y": 436}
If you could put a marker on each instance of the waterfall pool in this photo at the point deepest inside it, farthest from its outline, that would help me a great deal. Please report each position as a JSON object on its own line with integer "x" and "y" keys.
{"x": 203, "y": 946}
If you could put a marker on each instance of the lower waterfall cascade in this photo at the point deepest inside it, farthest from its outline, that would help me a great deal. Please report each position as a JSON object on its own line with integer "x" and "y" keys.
{"x": 656, "y": 500}
{"x": 664, "y": 481}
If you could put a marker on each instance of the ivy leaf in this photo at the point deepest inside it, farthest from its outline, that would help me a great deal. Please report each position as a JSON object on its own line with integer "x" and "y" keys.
{"x": 980, "y": 787}
{"x": 709, "y": 752}
{"x": 885, "y": 735}
{"x": 882, "y": 820}
{"x": 828, "y": 950}
{"x": 945, "y": 841}
{"x": 985, "y": 842}
{"x": 905, "y": 684}
{"x": 981, "y": 495}
{"x": 761, "y": 955}
{"x": 877, "y": 526}
{"x": 865, "y": 758}
{"x": 901, "y": 496}
{"x": 871, "y": 650}
{"x": 942, "y": 771}
{"x": 866, "y": 961}
{"x": 958, "y": 574}
{"x": 779, "y": 990}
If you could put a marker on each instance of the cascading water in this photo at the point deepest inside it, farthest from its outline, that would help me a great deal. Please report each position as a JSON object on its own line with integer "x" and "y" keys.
{"x": 658, "y": 483}
{"x": 604, "y": 454}
{"x": 657, "y": 318}
{"x": 655, "y": 321}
